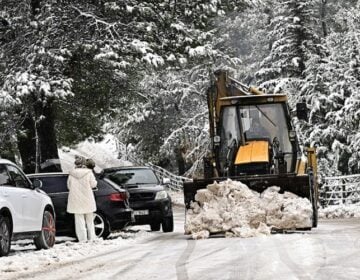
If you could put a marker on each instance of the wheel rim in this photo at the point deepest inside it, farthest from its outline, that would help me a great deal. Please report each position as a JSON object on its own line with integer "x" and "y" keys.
{"x": 99, "y": 225}
{"x": 48, "y": 229}
{"x": 4, "y": 237}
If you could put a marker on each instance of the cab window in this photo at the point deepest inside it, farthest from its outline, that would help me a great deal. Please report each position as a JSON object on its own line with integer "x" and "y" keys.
{"x": 17, "y": 178}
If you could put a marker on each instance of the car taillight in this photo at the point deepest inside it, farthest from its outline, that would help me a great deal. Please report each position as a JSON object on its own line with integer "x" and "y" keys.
{"x": 118, "y": 196}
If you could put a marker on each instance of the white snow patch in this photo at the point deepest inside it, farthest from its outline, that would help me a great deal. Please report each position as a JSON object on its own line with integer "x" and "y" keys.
{"x": 25, "y": 259}
{"x": 104, "y": 154}
{"x": 178, "y": 26}
{"x": 231, "y": 207}
{"x": 177, "y": 197}
{"x": 171, "y": 57}
{"x": 296, "y": 20}
{"x": 340, "y": 211}
{"x": 295, "y": 61}
{"x": 182, "y": 60}
{"x": 129, "y": 9}
{"x": 200, "y": 51}
{"x": 153, "y": 59}
{"x": 140, "y": 46}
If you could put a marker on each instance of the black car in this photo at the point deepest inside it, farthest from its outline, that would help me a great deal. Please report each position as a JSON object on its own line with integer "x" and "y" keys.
{"x": 112, "y": 203}
{"x": 148, "y": 197}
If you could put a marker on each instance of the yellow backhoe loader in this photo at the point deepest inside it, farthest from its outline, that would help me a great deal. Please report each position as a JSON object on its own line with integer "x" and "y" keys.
{"x": 254, "y": 141}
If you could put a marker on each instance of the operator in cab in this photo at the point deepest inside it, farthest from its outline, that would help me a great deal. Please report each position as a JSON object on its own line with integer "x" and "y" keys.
{"x": 256, "y": 129}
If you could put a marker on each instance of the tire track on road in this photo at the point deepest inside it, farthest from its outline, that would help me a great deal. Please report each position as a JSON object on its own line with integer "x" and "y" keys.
{"x": 181, "y": 271}
{"x": 287, "y": 260}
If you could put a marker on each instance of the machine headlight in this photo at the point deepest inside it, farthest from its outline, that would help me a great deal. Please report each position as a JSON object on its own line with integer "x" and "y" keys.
{"x": 161, "y": 195}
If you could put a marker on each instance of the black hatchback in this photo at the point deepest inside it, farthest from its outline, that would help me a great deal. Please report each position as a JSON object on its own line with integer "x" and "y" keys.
{"x": 112, "y": 203}
{"x": 148, "y": 196}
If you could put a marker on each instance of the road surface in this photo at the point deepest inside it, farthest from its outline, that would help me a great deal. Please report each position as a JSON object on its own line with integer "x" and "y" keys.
{"x": 332, "y": 251}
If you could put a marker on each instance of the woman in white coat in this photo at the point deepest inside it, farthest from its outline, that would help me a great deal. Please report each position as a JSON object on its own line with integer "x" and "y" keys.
{"x": 81, "y": 201}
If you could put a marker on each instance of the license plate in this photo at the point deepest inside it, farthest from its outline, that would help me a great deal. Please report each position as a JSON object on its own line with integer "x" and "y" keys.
{"x": 141, "y": 212}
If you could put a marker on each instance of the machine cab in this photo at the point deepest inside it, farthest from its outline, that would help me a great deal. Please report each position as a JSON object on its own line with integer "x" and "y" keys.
{"x": 256, "y": 136}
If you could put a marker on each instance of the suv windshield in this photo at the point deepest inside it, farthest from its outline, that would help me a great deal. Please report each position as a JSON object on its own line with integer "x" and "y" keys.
{"x": 133, "y": 177}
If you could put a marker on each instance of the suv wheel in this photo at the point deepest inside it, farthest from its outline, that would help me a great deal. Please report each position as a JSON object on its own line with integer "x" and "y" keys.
{"x": 155, "y": 226}
{"x": 46, "y": 238}
{"x": 168, "y": 224}
{"x": 5, "y": 236}
{"x": 101, "y": 224}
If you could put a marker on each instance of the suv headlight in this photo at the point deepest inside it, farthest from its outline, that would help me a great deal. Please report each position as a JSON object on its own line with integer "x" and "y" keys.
{"x": 161, "y": 195}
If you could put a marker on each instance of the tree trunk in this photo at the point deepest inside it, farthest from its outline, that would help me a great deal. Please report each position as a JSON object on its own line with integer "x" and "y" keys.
{"x": 49, "y": 160}
{"x": 37, "y": 142}
{"x": 180, "y": 160}
{"x": 323, "y": 17}
{"x": 27, "y": 145}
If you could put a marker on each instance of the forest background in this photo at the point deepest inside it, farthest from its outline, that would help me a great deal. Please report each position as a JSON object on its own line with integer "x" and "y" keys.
{"x": 75, "y": 70}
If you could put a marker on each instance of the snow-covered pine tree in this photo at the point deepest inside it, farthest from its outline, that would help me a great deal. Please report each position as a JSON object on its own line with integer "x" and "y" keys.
{"x": 172, "y": 102}
{"x": 293, "y": 41}
{"x": 332, "y": 90}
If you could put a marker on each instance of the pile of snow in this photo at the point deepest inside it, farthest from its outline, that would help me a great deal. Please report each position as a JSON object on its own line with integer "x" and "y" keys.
{"x": 231, "y": 207}
{"x": 104, "y": 154}
{"x": 340, "y": 211}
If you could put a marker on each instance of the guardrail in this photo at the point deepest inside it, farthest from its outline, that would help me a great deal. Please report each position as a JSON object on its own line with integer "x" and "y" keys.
{"x": 176, "y": 182}
{"x": 340, "y": 190}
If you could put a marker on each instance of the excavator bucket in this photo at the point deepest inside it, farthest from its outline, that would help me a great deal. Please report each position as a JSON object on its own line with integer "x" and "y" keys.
{"x": 299, "y": 185}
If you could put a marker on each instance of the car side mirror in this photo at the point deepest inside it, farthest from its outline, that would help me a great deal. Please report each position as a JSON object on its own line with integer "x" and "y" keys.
{"x": 166, "y": 181}
{"x": 37, "y": 184}
{"x": 302, "y": 111}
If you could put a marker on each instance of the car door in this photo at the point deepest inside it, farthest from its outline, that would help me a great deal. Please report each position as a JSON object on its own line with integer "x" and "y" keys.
{"x": 56, "y": 187}
{"x": 12, "y": 196}
{"x": 30, "y": 199}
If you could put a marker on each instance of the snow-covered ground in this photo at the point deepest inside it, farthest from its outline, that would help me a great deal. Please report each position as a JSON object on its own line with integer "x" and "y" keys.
{"x": 24, "y": 259}
{"x": 330, "y": 251}
{"x": 177, "y": 198}
{"x": 340, "y": 211}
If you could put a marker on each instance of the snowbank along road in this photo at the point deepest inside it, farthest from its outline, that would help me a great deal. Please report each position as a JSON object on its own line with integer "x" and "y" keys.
{"x": 331, "y": 251}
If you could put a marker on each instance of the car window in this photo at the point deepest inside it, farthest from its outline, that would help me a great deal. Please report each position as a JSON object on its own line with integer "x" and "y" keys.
{"x": 4, "y": 176}
{"x": 56, "y": 184}
{"x": 112, "y": 184}
{"x": 18, "y": 179}
{"x": 133, "y": 176}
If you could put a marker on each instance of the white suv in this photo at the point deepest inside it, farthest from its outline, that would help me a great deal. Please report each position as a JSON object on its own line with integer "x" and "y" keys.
{"x": 25, "y": 210}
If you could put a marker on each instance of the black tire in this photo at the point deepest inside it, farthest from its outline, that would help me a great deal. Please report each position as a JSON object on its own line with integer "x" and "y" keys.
{"x": 315, "y": 216}
{"x": 102, "y": 226}
{"x": 46, "y": 238}
{"x": 5, "y": 236}
{"x": 155, "y": 226}
{"x": 313, "y": 202}
{"x": 168, "y": 224}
